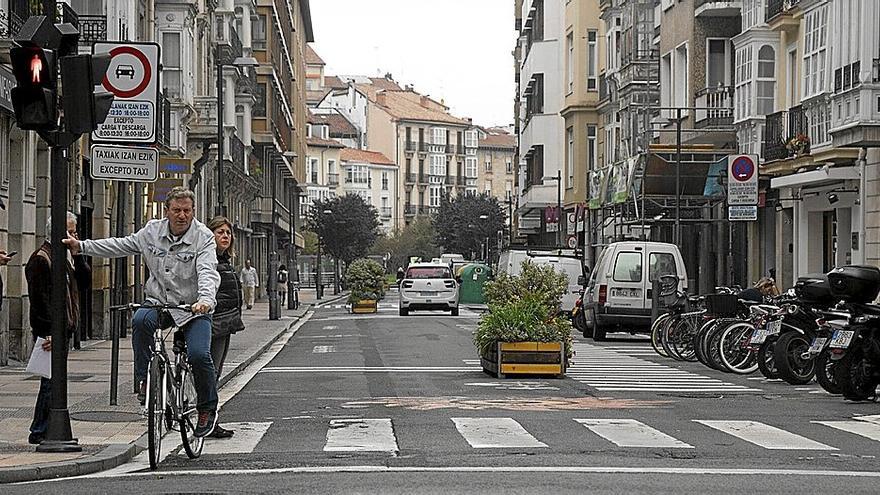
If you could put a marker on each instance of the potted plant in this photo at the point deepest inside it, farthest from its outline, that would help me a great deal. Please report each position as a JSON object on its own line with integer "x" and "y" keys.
{"x": 798, "y": 145}
{"x": 523, "y": 332}
{"x": 364, "y": 278}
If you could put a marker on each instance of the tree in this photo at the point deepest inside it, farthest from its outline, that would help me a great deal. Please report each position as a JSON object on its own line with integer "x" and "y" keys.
{"x": 464, "y": 223}
{"x": 347, "y": 226}
{"x": 310, "y": 242}
{"x": 415, "y": 239}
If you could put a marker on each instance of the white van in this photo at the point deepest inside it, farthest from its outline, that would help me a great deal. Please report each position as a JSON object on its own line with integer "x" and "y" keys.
{"x": 618, "y": 293}
{"x": 510, "y": 262}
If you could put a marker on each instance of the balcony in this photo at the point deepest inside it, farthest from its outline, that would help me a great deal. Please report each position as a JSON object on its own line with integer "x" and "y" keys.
{"x": 13, "y": 19}
{"x": 332, "y": 179}
{"x": 847, "y": 77}
{"x": 460, "y": 149}
{"x": 410, "y": 210}
{"x": 450, "y": 149}
{"x": 423, "y": 147}
{"x": 92, "y": 28}
{"x": 228, "y": 44}
{"x": 875, "y": 71}
{"x": 450, "y": 180}
{"x": 411, "y": 178}
{"x": 385, "y": 212}
{"x": 714, "y": 107}
{"x": 411, "y": 146}
{"x": 717, "y": 8}
{"x": 461, "y": 180}
{"x": 778, "y": 8}
{"x": 779, "y": 129}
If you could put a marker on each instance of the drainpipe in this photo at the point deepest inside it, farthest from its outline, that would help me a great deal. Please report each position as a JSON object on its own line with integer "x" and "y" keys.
{"x": 863, "y": 201}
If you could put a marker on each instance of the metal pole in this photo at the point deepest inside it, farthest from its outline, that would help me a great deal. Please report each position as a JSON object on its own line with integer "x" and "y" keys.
{"x": 119, "y": 268}
{"x": 559, "y": 208}
{"x": 293, "y": 275}
{"x": 678, "y": 176}
{"x": 274, "y": 307}
{"x": 319, "y": 288}
{"x": 221, "y": 206}
{"x": 59, "y": 437}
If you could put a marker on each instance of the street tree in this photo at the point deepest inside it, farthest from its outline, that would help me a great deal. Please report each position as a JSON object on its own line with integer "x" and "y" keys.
{"x": 465, "y": 223}
{"x": 415, "y": 239}
{"x": 347, "y": 226}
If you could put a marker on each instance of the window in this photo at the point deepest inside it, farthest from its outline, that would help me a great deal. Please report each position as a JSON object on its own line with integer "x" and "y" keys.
{"x": 422, "y": 273}
{"x": 509, "y": 164}
{"x": 592, "y": 60}
{"x": 331, "y": 166}
{"x": 569, "y": 61}
{"x": 488, "y": 165}
{"x": 259, "y": 108}
{"x": 592, "y": 148}
{"x": 535, "y": 96}
{"x": 171, "y": 64}
{"x": 312, "y": 170}
{"x": 665, "y": 81}
{"x": 661, "y": 264}
{"x": 258, "y": 33}
{"x": 766, "y": 82}
{"x": 508, "y": 190}
{"x": 752, "y": 14}
{"x": 488, "y": 186}
{"x": 384, "y": 181}
{"x": 470, "y": 167}
{"x": 718, "y": 63}
{"x": 438, "y": 165}
{"x": 569, "y": 156}
{"x": 628, "y": 267}
{"x": 438, "y": 135}
{"x": 743, "y": 81}
{"x": 409, "y": 166}
{"x": 470, "y": 139}
{"x": 434, "y": 193}
{"x": 357, "y": 174}
{"x": 680, "y": 71}
{"x": 815, "y": 37}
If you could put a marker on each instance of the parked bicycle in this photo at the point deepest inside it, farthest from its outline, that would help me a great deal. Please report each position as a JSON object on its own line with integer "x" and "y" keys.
{"x": 171, "y": 394}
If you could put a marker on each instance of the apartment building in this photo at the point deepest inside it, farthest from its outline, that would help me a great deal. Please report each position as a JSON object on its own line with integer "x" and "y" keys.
{"x": 496, "y": 152}
{"x": 323, "y": 165}
{"x": 374, "y": 177}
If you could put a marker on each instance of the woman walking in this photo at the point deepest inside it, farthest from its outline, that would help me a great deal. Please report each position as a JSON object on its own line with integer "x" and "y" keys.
{"x": 227, "y": 313}
{"x": 282, "y": 284}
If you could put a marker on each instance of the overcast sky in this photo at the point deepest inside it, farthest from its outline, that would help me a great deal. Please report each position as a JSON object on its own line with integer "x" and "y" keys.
{"x": 457, "y": 50}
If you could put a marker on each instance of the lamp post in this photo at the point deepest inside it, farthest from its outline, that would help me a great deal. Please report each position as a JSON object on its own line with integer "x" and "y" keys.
{"x": 274, "y": 306}
{"x": 319, "y": 287}
{"x": 558, "y": 179}
{"x": 238, "y": 62}
{"x": 293, "y": 276}
{"x": 485, "y": 221}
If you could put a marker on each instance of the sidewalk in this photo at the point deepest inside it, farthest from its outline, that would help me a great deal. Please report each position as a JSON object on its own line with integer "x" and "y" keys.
{"x": 109, "y": 434}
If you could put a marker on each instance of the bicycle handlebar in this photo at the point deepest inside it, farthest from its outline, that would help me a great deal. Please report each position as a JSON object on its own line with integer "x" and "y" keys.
{"x": 182, "y": 307}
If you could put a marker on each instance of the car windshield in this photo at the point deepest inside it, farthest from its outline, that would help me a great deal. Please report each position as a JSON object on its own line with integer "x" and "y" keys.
{"x": 428, "y": 272}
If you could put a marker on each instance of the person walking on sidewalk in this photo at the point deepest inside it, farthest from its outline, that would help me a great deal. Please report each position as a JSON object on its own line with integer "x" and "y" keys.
{"x": 282, "y": 283}
{"x": 181, "y": 256}
{"x": 249, "y": 282}
{"x": 227, "y": 314}
{"x": 38, "y": 273}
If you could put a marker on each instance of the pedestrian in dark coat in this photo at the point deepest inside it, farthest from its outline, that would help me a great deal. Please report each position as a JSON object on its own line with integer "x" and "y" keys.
{"x": 227, "y": 313}
{"x": 38, "y": 273}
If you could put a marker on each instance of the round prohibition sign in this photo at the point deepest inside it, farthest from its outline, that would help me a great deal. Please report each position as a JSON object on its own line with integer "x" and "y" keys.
{"x": 743, "y": 168}
{"x": 145, "y": 81}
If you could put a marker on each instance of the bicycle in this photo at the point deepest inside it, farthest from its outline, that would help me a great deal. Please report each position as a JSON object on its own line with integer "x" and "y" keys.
{"x": 171, "y": 394}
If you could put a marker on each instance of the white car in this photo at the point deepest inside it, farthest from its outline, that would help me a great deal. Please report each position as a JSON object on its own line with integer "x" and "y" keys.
{"x": 427, "y": 286}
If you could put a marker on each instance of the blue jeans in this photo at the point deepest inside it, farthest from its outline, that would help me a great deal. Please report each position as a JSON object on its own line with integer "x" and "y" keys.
{"x": 198, "y": 348}
{"x": 41, "y": 410}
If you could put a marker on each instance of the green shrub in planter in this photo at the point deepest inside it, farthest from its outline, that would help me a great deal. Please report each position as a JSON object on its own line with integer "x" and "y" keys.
{"x": 540, "y": 283}
{"x": 525, "y": 319}
{"x": 365, "y": 279}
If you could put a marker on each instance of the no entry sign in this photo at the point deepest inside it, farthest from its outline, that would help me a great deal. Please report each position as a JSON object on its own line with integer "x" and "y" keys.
{"x": 742, "y": 180}
{"x": 133, "y": 78}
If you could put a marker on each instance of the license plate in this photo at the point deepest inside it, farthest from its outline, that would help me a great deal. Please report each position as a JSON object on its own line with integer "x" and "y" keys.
{"x": 818, "y": 345}
{"x": 841, "y": 339}
{"x": 773, "y": 327}
{"x": 625, "y": 292}
{"x": 759, "y": 336}
{"x": 428, "y": 294}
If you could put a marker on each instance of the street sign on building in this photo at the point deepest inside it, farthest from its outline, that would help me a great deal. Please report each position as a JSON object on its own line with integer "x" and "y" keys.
{"x": 125, "y": 163}
{"x": 741, "y": 213}
{"x": 133, "y": 78}
{"x": 742, "y": 180}
{"x": 159, "y": 190}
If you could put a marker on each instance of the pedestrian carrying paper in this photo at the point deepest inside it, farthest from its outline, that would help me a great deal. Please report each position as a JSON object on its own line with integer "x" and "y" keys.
{"x": 41, "y": 360}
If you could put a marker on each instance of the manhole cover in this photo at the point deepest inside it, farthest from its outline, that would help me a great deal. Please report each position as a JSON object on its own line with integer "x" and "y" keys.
{"x": 107, "y": 416}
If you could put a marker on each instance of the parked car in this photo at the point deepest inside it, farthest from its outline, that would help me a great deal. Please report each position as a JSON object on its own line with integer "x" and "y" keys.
{"x": 510, "y": 262}
{"x": 618, "y": 294}
{"x": 427, "y": 286}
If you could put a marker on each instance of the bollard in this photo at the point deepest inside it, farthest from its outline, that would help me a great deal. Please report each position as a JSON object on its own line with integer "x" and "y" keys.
{"x": 655, "y": 300}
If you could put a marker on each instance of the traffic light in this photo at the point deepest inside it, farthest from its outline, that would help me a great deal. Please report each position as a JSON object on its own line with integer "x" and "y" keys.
{"x": 84, "y": 108}
{"x": 34, "y": 98}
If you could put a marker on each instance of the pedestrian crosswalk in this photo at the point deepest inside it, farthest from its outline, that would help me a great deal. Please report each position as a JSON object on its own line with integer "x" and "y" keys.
{"x": 390, "y": 307}
{"x": 381, "y": 435}
{"x": 618, "y": 370}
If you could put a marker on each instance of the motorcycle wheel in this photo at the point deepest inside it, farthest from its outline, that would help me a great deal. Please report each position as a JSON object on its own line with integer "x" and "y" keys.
{"x": 766, "y": 363}
{"x": 825, "y": 374}
{"x": 793, "y": 368}
{"x": 855, "y": 374}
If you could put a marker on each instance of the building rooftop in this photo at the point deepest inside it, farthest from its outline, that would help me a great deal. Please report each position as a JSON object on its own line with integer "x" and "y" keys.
{"x": 339, "y": 125}
{"x": 500, "y": 140}
{"x": 365, "y": 156}
{"x": 312, "y": 57}
{"x": 323, "y": 143}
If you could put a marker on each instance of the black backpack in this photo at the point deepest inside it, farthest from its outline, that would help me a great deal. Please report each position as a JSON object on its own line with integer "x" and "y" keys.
{"x": 282, "y": 277}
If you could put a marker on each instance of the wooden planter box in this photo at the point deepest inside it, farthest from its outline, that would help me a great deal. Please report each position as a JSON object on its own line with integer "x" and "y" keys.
{"x": 364, "y": 306}
{"x": 525, "y": 358}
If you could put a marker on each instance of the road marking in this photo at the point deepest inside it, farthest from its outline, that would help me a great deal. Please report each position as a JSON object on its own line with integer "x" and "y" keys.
{"x": 330, "y": 327}
{"x": 866, "y": 429}
{"x": 766, "y": 436}
{"x": 321, "y": 349}
{"x": 245, "y": 440}
{"x": 370, "y": 369}
{"x": 360, "y": 435}
{"x": 631, "y": 433}
{"x": 514, "y": 385}
{"x": 492, "y": 433}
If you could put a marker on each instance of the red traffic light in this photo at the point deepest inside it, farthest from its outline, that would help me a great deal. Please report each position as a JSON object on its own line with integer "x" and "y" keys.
{"x": 33, "y": 66}
{"x": 36, "y": 68}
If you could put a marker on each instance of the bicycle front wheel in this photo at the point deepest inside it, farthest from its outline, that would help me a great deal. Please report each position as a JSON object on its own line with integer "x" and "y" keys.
{"x": 733, "y": 348}
{"x": 189, "y": 415}
{"x": 155, "y": 409}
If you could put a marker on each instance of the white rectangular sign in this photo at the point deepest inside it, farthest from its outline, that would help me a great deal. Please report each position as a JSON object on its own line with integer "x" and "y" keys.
{"x": 125, "y": 163}
{"x": 742, "y": 180}
{"x": 133, "y": 78}
{"x": 742, "y": 213}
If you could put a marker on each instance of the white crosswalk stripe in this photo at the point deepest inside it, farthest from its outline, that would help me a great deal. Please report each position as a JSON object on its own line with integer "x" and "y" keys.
{"x": 489, "y": 433}
{"x": 765, "y": 436}
{"x": 631, "y": 433}
{"x": 609, "y": 370}
{"x": 863, "y": 428}
{"x": 360, "y": 435}
{"x": 245, "y": 440}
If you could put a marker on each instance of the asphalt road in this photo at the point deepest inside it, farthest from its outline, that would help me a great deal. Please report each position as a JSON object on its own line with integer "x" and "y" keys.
{"x": 389, "y": 404}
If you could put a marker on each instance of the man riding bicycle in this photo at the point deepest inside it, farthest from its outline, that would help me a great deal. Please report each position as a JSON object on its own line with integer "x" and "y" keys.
{"x": 181, "y": 255}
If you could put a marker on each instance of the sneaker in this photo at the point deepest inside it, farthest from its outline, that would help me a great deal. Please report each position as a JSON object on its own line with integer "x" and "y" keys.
{"x": 207, "y": 423}
{"x": 142, "y": 392}
{"x": 221, "y": 432}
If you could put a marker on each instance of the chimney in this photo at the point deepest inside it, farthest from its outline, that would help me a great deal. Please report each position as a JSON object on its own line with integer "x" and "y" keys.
{"x": 380, "y": 98}
{"x": 424, "y": 101}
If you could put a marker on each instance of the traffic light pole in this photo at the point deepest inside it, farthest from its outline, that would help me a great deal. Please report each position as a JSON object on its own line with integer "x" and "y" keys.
{"x": 59, "y": 437}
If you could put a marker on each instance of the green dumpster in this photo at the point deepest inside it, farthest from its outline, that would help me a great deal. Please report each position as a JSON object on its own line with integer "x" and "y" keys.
{"x": 473, "y": 276}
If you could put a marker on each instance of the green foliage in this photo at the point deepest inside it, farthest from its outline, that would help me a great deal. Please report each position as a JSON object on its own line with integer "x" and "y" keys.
{"x": 346, "y": 225}
{"x": 311, "y": 242}
{"x": 523, "y": 320}
{"x": 365, "y": 279}
{"x": 538, "y": 282}
{"x": 415, "y": 239}
{"x": 459, "y": 226}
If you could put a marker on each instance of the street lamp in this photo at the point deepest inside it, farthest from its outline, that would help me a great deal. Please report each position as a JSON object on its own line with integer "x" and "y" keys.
{"x": 238, "y": 62}
{"x": 558, "y": 179}
{"x": 319, "y": 287}
{"x": 270, "y": 158}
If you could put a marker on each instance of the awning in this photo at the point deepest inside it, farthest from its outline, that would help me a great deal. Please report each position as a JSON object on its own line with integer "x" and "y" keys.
{"x": 815, "y": 177}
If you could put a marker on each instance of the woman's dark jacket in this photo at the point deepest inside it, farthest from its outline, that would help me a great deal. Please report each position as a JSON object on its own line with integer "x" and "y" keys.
{"x": 38, "y": 273}
{"x": 227, "y": 313}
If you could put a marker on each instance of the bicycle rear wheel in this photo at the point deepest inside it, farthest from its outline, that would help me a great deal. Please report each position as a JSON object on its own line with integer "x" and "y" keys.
{"x": 734, "y": 350}
{"x": 155, "y": 410}
{"x": 189, "y": 415}
{"x": 658, "y": 328}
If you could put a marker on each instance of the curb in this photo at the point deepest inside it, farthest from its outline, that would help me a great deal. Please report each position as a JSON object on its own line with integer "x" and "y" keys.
{"x": 330, "y": 301}
{"x": 115, "y": 455}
